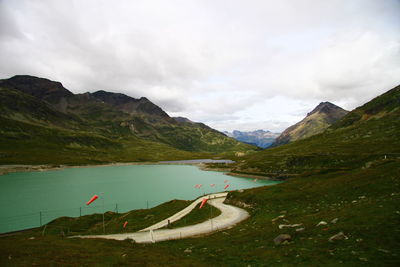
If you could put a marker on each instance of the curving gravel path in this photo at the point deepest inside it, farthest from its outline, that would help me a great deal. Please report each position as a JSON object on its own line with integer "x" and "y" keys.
{"x": 229, "y": 216}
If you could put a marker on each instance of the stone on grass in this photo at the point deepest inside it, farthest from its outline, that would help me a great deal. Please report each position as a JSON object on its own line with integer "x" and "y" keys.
{"x": 338, "y": 236}
{"x": 300, "y": 229}
{"x": 335, "y": 220}
{"x": 187, "y": 250}
{"x": 277, "y": 218}
{"x": 322, "y": 223}
{"x": 281, "y": 226}
{"x": 280, "y": 239}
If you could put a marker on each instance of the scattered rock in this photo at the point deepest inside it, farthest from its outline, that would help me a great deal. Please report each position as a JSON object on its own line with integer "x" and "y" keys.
{"x": 383, "y": 250}
{"x": 225, "y": 233}
{"x": 277, "y": 218}
{"x": 322, "y": 223}
{"x": 9, "y": 257}
{"x": 338, "y": 236}
{"x": 363, "y": 259}
{"x": 300, "y": 229}
{"x": 241, "y": 191}
{"x": 282, "y": 238}
{"x": 281, "y": 226}
{"x": 31, "y": 238}
{"x": 123, "y": 255}
{"x": 354, "y": 201}
{"x": 359, "y": 239}
{"x": 187, "y": 250}
{"x": 335, "y": 220}
{"x": 362, "y": 197}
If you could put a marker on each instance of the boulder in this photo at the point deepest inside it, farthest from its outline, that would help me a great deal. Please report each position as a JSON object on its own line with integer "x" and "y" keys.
{"x": 338, "y": 236}
{"x": 282, "y": 238}
{"x": 322, "y": 223}
{"x": 281, "y": 226}
{"x": 277, "y": 218}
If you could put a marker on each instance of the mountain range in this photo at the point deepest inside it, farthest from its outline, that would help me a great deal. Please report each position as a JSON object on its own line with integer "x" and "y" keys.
{"x": 44, "y": 122}
{"x": 260, "y": 138}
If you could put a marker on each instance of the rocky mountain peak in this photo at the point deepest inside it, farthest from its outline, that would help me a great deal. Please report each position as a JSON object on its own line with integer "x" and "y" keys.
{"x": 41, "y": 88}
{"x": 325, "y": 107}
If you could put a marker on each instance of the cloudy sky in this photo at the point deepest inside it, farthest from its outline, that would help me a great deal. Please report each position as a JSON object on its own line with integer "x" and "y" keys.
{"x": 231, "y": 64}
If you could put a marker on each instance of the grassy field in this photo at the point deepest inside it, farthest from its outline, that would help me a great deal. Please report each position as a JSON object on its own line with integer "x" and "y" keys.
{"x": 365, "y": 202}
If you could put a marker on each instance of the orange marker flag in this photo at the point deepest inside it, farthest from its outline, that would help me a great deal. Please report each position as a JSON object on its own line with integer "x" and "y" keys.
{"x": 226, "y": 186}
{"x": 92, "y": 199}
{"x": 200, "y": 185}
{"x": 196, "y": 186}
{"x": 125, "y": 224}
{"x": 203, "y": 202}
{"x": 212, "y": 185}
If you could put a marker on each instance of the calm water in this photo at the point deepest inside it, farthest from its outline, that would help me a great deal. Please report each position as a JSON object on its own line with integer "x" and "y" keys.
{"x": 28, "y": 199}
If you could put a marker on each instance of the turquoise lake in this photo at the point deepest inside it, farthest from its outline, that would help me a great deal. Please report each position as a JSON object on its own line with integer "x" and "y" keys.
{"x": 31, "y": 199}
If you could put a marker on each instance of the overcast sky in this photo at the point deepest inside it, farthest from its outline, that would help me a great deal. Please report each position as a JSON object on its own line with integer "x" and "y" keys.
{"x": 242, "y": 65}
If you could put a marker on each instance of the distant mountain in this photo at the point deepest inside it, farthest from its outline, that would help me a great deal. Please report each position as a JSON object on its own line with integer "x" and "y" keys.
{"x": 362, "y": 138}
{"x": 43, "y": 122}
{"x": 320, "y": 118}
{"x": 259, "y": 138}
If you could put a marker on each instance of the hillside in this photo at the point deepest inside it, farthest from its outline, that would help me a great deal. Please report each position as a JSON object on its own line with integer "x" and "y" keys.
{"x": 367, "y": 134}
{"x": 259, "y": 138}
{"x": 40, "y": 118}
{"x": 316, "y": 121}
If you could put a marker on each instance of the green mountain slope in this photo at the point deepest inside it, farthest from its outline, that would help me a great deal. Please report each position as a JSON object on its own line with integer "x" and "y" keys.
{"x": 320, "y": 118}
{"x": 42, "y": 117}
{"x": 367, "y": 134}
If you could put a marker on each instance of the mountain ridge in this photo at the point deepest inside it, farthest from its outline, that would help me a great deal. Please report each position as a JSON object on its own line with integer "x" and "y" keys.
{"x": 43, "y": 116}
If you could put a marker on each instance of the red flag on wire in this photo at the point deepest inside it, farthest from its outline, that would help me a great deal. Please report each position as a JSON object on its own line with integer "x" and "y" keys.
{"x": 125, "y": 224}
{"x": 212, "y": 185}
{"x": 92, "y": 199}
{"x": 203, "y": 202}
{"x": 226, "y": 186}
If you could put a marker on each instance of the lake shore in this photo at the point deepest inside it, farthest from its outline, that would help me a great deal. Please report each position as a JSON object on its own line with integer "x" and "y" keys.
{"x": 6, "y": 169}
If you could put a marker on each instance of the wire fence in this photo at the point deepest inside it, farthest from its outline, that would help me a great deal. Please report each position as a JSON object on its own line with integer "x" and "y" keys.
{"x": 40, "y": 218}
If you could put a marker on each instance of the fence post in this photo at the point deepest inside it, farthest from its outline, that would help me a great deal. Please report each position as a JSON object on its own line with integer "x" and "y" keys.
{"x": 80, "y": 211}
{"x": 147, "y": 203}
{"x": 116, "y": 208}
{"x": 40, "y": 218}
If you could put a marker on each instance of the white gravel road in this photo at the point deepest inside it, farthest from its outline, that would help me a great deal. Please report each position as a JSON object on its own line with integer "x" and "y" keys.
{"x": 229, "y": 216}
